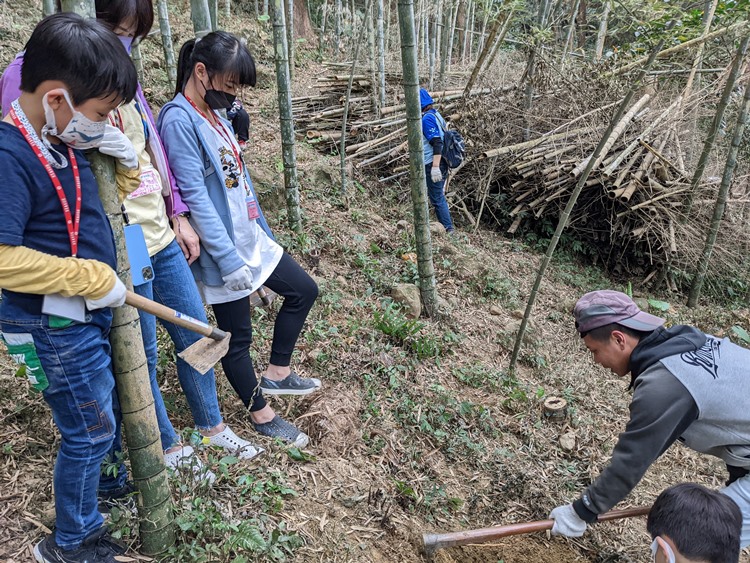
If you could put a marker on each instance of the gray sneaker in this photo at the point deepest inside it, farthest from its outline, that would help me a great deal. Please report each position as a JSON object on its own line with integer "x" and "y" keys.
{"x": 285, "y": 431}
{"x": 292, "y": 384}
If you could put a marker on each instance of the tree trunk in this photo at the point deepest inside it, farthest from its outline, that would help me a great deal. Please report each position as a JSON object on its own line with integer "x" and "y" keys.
{"x": 322, "y": 28}
{"x": 715, "y": 125}
{"x": 582, "y": 23}
{"x": 433, "y": 44}
{"x": 48, "y": 8}
{"x": 338, "y": 25}
{"x": 721, "y": 201}
{"x": 290, "y": 40}
{"x": 166, "y": 41}
{"x": 601, "y": 36}
{"x": 381, "y": 55}
{"x": 355, "y": 56}
{"x": 387, "y": 31}
{"x": 571, "y": 30}
{"x": 461, "y": 21}
{"x": 201, "y": 17}
{"x": 565, "y": 216}
{"x": 446, "y": 21}
{"x": 288, "y": 148}
{"x": 425, "y": 265}
{"x": 470, "y": 30}
{"x": 452, "y": 33}
{"x": 485, "y": 20}
{"x": 155, "y": 515}
{"x": 373, "y": 59}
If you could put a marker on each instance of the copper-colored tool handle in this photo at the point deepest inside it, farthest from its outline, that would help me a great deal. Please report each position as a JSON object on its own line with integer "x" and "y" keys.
{"x": 172, "y": 316}
{"x": 437, "y": 541}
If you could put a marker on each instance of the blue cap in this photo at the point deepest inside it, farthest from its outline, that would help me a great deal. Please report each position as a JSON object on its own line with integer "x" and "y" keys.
{"x": 424, "y": 98}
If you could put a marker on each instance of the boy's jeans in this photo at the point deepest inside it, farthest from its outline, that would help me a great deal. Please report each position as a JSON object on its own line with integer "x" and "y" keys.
{"x": 76, "y": 361}
{"x": 175, "y": 287}
{"x": 437, "y": 197}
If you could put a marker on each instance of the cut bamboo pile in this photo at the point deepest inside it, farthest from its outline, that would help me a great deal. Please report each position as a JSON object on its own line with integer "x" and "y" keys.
{"x": 628, "y": 213}
{"x": 373, "y": 141}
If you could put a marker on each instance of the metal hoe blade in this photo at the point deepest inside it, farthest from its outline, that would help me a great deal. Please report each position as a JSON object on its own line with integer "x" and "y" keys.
{"x": 206, "y": 353}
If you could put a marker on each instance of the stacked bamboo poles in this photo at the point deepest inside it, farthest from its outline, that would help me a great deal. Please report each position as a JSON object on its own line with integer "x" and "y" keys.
{"x": 629, "y": 209}
{"x": 375, "y": 142}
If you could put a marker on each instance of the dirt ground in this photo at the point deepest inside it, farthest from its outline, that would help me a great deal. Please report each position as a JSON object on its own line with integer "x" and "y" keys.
{"x": 385, "y": 470}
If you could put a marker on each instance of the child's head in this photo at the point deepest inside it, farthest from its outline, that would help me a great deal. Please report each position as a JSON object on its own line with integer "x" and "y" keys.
{"x": 127, "y": 18}
{"x": 689, "y": 522}
{"x": 72, "y": 63}
{"x": 219, "y": 63}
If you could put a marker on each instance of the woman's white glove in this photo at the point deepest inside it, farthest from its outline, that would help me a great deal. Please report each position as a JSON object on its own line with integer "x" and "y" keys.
{"x": 239, "y": 279}
{"x": 115, "y": 143}
{"x": 567, "y": 522}
{"x": 114, "y": 298}
{"x": 436, "y": 175}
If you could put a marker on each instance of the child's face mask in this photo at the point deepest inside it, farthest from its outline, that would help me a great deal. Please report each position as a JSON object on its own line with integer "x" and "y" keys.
{"x": 655, "y": 549}
{"x": 80, "y": 132}
{"x": 127, "y": 42}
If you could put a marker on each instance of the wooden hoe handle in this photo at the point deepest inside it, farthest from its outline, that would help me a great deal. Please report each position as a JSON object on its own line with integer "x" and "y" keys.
{"x": 172, "y": 316}
{"x": 433, "y": 542}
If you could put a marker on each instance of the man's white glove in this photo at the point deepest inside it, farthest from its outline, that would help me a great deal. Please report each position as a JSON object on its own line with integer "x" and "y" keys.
{"x": 114, "y": 298}
{"x": 115, "y": 143}
{"x": 239, "y": 279}
{"x": 436, "y": 175}
{"x": 567, "y": 522}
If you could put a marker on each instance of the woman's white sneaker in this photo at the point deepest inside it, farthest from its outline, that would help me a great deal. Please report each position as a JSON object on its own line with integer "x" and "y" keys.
{"x": 185, "y": 458}
{"x": 229, "y": 441}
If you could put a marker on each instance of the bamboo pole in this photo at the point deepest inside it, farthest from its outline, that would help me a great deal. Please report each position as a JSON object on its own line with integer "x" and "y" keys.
{"x": 135, "y": 55}
{"x": 381, "y": 54}
{"x": 201, "y": 17}
{"x": 288, "y": 148}
{"x": 166, "y": 41}
{"x": 715, "y": 125}
{"x": 565, "y": 215}
{"x": 290, "y": 41}
{"x": 48, "y": 8}
{"x": 601, "y": 36}
{"x": 497, "y": 25}
{"x": 425, "y": 266}
{"x": 155, "y": 516}
{"x": 721, "y": 201}
{"x": 342, "y": 149}
{"x": 618, "y": 130}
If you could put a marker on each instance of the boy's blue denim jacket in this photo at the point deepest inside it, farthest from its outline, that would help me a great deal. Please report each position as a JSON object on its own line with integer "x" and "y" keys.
{"x": 199, "y": 176}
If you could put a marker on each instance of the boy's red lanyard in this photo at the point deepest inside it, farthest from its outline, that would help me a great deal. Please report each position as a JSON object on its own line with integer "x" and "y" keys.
{"x": 72, "y": 225}
{"x": 223, "y": 133}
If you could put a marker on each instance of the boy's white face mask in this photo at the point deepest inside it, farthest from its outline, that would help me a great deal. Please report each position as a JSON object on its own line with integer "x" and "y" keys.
{"x": 80, "y": 133}
{"x": 655, "y": 545}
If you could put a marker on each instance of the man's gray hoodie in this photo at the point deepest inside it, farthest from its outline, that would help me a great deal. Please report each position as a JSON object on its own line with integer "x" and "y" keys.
{"x": 688, "y": 386}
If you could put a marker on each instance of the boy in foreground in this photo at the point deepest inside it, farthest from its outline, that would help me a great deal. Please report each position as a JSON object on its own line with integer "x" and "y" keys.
{"x": 57, "y": 260}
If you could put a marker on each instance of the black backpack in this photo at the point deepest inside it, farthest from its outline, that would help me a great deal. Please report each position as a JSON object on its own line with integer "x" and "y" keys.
{"x": 454, "y": 147}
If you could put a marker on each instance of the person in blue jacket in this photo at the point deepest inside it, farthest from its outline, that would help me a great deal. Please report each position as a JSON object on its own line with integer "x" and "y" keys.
{"x": 436, "y": 169}
{"x": 238, "y": 252}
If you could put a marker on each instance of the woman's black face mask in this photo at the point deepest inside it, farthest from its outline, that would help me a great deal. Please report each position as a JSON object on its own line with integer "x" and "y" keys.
{"x": 217, "y": 99}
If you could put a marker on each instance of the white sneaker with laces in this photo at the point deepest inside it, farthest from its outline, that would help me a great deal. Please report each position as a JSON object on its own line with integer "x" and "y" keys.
{"x": 186, "y": 459}
{"x": 229, "y": 441}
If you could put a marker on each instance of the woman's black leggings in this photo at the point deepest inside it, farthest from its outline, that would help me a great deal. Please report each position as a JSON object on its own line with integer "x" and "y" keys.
{"x": 299, "y": 291}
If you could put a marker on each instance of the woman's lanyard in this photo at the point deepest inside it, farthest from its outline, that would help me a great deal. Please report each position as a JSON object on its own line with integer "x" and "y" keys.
{"x": 72, "y": 225}
{"x": 221, "y": 130}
